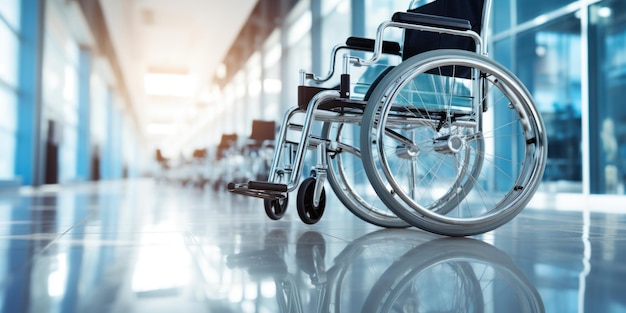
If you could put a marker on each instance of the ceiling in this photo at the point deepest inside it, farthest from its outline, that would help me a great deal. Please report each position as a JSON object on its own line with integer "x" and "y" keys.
{"x": 185, "y": 38}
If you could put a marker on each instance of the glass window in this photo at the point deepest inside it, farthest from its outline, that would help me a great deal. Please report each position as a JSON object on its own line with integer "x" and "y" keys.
{"x": 336, "y": 28}
{"x": 60, "y": 90}
{"x": 608, "y": 89}
{"x": 8, "y": 118}
{"x": 300, "y": 28}
{"x": 547, "y": 60}
{"x": 8, "y": 57}
{"x": 230, "y": 110}
{"x": 253, "y": 76}
{"x": 99, "y": 94}
{"x": 530, "y": 9}
{"x": 7, "y": 141}
{"x": 377, "y": 11}
{"x": 10, "y": 11}
{"x": 299, "y": 55}
{"x": 9, "y": 25}
{"x": 131, "y": 151}
{"x": 511, "y": 13}
{"x": 239, "y": 114}
{"x": 8, "y": 126}
{"x": 272, "y": 85}
{"x": 67, "y": 159}
{"x": 501, "y": 16}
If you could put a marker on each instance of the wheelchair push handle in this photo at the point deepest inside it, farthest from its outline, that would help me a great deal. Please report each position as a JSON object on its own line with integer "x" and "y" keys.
{"x": 404, "y": 20}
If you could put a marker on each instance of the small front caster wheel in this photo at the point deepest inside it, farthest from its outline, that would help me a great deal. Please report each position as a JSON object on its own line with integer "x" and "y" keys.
{"x": 275, "y": 209}
{"x": 310, "y": 213}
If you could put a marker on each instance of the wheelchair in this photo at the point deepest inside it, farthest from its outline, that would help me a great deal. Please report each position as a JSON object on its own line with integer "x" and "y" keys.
{"x": 449, "y": 140}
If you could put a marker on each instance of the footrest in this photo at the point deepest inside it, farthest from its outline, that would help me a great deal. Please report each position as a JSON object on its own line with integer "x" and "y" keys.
{"x": 264, "y": 190}
{"x": 260, "y": 185}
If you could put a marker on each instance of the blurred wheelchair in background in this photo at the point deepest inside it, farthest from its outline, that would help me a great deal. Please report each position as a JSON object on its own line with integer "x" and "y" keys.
{"x": 446, "y": 140}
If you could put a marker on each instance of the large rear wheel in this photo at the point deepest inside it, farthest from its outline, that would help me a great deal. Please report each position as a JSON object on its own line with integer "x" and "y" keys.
{"x": 452, "y": 142}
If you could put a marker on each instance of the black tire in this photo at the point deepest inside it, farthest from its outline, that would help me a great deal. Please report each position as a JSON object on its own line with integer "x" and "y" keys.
{"x": 308, "y": 212}
{"x": 275, "y": 209}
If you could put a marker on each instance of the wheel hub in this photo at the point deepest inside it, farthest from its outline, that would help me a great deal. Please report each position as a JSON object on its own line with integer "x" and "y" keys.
{"x": 406, "y": 153}
{"x": 449, "y": 144}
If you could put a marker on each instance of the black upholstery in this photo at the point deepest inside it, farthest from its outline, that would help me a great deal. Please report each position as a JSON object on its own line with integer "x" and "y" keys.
{"x": 416, "y": 42}
{"x": 431, "y": 20}
{"x": 366, "y": 44}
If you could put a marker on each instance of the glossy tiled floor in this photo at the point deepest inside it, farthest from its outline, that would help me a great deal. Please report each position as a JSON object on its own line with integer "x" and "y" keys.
{"x": 142, "y": 247}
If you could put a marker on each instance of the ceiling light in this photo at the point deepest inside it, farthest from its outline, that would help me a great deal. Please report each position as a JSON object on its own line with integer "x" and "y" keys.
{"x": 160, "y": 129}
{"x": 174, "y": 85}
{"x": 541, "y": 51}
{"x": 221, "y": 71}
{"x": 604, "y": 12}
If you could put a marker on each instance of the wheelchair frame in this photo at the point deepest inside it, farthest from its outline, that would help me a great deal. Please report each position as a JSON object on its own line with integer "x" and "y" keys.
{"x": 337, "y": 106}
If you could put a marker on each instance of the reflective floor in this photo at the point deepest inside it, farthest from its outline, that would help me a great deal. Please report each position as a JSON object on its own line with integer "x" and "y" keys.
{"x": 138, "y": 246}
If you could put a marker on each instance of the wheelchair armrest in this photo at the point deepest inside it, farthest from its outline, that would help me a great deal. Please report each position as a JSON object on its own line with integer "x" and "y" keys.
{"x": 366, "y": 44}
{"x": 431, "y": 20}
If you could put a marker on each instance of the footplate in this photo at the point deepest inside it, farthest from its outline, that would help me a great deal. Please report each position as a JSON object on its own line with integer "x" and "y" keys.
{"x": 258, "y": 189}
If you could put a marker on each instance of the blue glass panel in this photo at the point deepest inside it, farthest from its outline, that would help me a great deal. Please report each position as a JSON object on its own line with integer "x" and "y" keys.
{"x": 547, "y": 59}
{"x": 501, "y": 16}
{"x": 8, "y": 114}
{"x": 7, "y": 154}
{"x": 8, "y": 57}
{"x": 608, "y": 90}
{"x": 377, "y": 11}
{"x": 530, "y": 9}
{"x": 68, "y": 154}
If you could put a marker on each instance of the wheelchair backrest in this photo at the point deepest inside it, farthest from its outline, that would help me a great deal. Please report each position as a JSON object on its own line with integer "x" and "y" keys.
{"x": 416, "y": 41}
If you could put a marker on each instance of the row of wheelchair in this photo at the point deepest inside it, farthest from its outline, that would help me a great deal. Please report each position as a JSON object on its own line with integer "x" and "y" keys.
{"x": 234, "y": 158}
{"x": 447, "y": 139}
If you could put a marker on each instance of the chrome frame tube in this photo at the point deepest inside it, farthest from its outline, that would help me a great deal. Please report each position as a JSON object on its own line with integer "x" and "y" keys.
{"x": 280, "y": 142}
{"x": 304, "y": 137}
{"x": 378, "y": 44}
{"x": 331, "y": 71}
{"x": 320, "y": 172}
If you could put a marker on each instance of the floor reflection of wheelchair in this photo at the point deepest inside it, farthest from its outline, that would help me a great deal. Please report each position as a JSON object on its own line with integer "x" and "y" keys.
{"x": 449, "y": 140}
{"x": 454, "y": 275}
{"x": 374, "y": 248}
{"x": 420, "y": 274}
{"x": 270, "y": 262}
